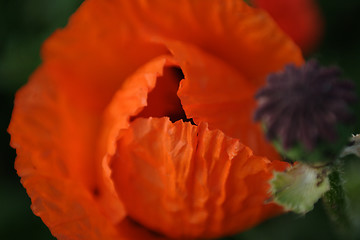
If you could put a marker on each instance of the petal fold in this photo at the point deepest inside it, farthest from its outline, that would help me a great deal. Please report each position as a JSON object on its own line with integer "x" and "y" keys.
{"x": 244, "y": 37}
{"x": 68, "y": 209}
{"x": 130, "y": 100}
{"x": 53, "y": 141}
{"x": 218, "y": 94}
{"x": 96, "y": 52}
{"x": 185, "y": 181}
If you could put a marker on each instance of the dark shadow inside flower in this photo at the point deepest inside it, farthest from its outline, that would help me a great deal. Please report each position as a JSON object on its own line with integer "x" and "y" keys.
{"x": 163, "y": 100}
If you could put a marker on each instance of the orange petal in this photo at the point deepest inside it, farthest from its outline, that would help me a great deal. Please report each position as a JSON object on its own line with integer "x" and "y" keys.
{"x": 71, "y": 212}
{"x": 300, "y": 19}
{"x": 244, "y": 37}
{"x": 186, "y": 181}
{"x": 96, "y": 52}
{"x": 55, "y": 160}
{"x": 129, "y": 101}
{"x": 218, "y": 94}
{"x": 57, "y": 115}
{"x": 54, "y": 141}
{"x": 68, "y": 209}
{"x": 222, "y": 68}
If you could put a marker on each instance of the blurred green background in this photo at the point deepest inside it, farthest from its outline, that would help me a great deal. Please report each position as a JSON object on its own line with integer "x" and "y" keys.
{"x": 25, "y": 24}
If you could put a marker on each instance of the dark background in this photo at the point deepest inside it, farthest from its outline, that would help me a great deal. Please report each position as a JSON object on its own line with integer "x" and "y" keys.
{"x": 25, "y": 24}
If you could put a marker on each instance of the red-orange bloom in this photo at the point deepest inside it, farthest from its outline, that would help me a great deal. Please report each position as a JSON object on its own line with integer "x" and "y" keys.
{"x": 300, "y": 19}
{"x": 99, "y": 149}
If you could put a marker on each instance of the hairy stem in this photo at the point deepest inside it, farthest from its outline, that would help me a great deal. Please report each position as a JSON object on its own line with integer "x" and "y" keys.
{"x": 336, "y": 204}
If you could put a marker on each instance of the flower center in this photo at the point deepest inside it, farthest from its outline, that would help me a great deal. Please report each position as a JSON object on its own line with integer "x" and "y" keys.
{"x": 163, "y": 100}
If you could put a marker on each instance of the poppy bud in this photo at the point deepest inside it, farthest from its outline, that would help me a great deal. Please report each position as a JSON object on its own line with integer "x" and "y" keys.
{"x": 304, "y": 111}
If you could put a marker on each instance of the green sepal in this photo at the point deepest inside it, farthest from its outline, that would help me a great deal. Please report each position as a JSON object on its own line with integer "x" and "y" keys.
{"x": 300, "y": 187}
{"x": 323, "y": 153}
{"x": 298, "y": 153}
{"x": 353, "y": 148}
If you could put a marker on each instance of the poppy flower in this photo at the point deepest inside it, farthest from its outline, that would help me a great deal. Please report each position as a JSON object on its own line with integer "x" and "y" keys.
{"x": 138, "y": 123}
{"x": 300, "y": 19}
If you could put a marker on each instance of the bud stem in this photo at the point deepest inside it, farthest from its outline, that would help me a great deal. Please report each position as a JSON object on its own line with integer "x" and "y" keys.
{"x": 335, "y": 202}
